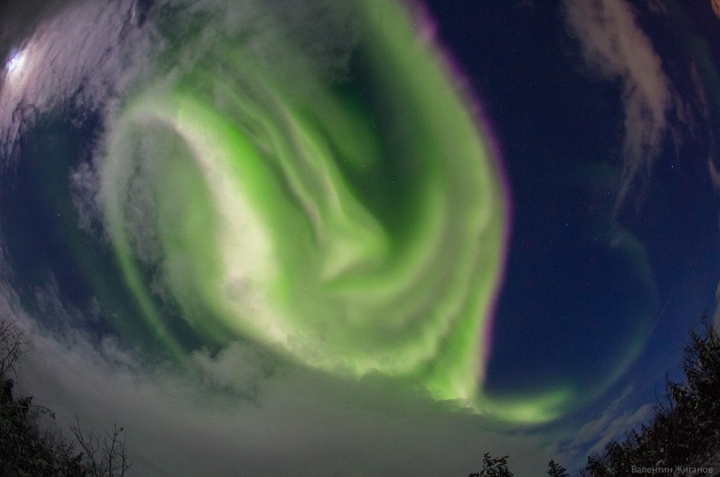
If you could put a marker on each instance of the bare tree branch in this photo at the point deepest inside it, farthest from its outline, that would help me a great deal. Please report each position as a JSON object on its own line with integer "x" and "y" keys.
{"x": 112, "y": 460}
{"x": 12, "y": 347}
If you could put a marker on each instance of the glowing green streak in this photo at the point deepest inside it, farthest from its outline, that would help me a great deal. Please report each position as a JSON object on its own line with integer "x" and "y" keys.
{"x": 537, "y": 408}
{"x": 236, "y": 182}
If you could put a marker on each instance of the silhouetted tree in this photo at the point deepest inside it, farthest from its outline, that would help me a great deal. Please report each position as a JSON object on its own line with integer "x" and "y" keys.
{"x": 556, "y": 470}
{"x": 685, "y": 429}
{"x": 494, "y": 466}
{"x": 106, "y": 458}
{"x": 25, "y": 450}
{"x": 12, "y": 344}
{"x": 596, "y": 467}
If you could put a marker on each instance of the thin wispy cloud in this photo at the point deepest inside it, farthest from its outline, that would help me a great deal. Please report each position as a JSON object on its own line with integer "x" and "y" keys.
{"x": 614, "y": 46}
{"x": 715, "y": 178}
{"x": 701, "y": 84}
{"x": 615, "y": 420}
{"x": 86, "y": 56}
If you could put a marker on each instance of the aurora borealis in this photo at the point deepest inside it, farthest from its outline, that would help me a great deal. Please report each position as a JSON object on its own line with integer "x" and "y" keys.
{"x": 278, "y": 237}
{"x": 396, "y": 227}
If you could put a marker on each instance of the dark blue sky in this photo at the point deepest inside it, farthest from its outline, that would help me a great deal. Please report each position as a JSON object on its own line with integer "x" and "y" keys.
{"x": 574, "y": 304}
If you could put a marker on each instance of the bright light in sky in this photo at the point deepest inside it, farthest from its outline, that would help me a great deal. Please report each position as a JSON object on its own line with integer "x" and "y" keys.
{"x": 16, "y": 62}
{"x": 17, "y": 68}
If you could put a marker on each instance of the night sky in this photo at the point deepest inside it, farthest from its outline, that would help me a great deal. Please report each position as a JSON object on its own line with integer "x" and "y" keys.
{"x": 357, "y": 238}
{"x": 563, "y": 132}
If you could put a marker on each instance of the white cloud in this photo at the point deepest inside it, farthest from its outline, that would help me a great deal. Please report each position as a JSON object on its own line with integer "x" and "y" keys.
{"x": 183, "y": 423}
{"x": 240, "y": 413}
{"x": 715, "y": 178}
{"x": 616, "y": 48}
{"x": 615, "y": 420}
{"x": 87, "y": 54}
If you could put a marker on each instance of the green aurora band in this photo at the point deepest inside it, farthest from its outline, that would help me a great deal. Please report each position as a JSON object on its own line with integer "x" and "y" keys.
{"x": 356, "y": 228}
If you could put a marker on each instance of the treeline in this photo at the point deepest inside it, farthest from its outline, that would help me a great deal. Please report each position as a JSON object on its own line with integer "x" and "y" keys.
{"x": 26, "y": 450}
{"x": 683, "y": 436}
{"x": 498, "y": 467}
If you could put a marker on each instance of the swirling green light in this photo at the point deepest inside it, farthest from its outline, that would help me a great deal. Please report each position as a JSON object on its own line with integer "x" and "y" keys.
{"x": 356, "y": 228}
